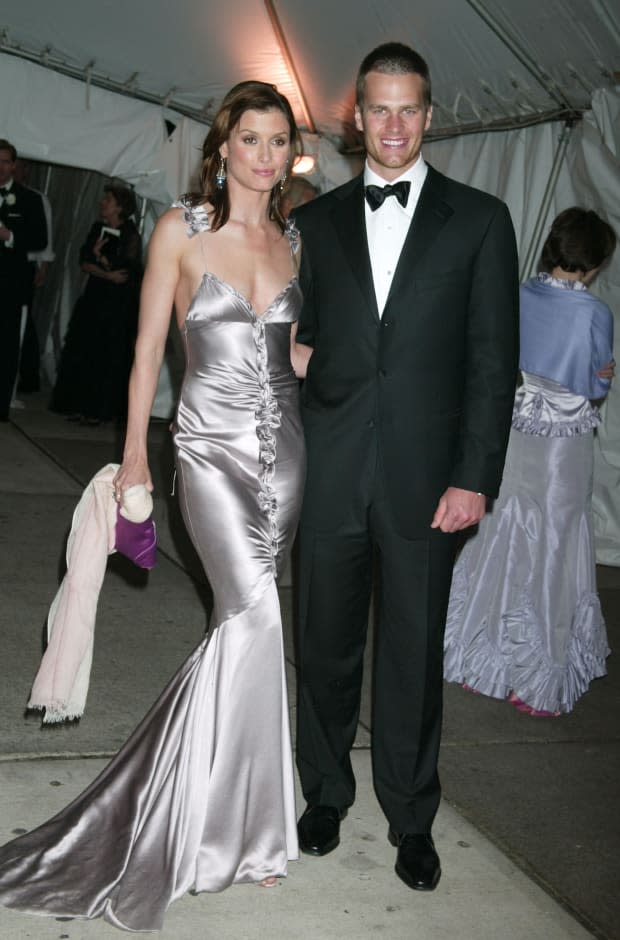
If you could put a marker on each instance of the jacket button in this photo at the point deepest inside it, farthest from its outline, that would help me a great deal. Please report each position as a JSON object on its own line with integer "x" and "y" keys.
{"x": 371, "y": 423}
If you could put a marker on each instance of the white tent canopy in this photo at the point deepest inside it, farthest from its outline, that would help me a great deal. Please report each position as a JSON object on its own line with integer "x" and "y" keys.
{"x": 491, "y": 60}
{"x": 526, "y": 106}
{"x": 495, "y": 64}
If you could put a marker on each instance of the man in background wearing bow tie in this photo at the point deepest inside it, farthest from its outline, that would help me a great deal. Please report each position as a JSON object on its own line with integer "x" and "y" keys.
{"x": 23, "y": 228}
{"x": 410, "y": 305}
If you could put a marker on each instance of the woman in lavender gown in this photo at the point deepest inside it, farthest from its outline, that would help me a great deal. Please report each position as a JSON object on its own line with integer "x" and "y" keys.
{"x": 524, "y": 620}
{"x": 201, "y": 797}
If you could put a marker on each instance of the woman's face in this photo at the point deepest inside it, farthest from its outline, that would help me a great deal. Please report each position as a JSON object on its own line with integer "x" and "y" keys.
{"x": 109, "y": 210}
{"x": 258, "y": 150}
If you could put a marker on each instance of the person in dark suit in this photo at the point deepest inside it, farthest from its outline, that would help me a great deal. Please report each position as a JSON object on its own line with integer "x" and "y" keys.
{"x": 411, "y": 299}
{"x": 23, "y": 228}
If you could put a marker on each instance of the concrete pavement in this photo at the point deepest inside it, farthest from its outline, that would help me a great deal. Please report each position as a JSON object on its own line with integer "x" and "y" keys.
{"x": 146, "y": 626}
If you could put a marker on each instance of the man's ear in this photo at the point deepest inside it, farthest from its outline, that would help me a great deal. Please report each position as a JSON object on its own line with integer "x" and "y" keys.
{"x": 358, "y": 119}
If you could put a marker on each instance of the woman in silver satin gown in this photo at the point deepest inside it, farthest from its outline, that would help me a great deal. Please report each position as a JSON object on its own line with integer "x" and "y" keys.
{"x": 524, "y": 620}
{"x": 202, "y": 795}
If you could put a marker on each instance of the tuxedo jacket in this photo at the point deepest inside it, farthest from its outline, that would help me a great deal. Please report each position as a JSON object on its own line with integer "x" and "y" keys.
{"x": 24, "y": 215}
{"x": 431, "y": 382}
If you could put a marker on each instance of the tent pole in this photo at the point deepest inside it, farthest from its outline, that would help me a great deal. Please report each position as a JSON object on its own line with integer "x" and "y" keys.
{"x": 520, "y": 53}
{"x": 142, "y": 215}
{"x": 531, "y": 257}
{"x": 288, "y": 60}
{"x": 48, "y": 177}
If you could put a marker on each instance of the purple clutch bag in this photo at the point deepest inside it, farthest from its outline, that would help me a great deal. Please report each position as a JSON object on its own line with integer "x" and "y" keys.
{"x": 136, "y": 540}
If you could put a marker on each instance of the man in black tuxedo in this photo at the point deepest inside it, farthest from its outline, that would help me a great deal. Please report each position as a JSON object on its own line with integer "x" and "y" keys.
{"x": 410, "y": 304}
{"x": 22, "y": 229}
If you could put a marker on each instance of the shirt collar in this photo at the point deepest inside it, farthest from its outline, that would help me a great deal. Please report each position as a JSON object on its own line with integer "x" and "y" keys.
{"x": 8, "y": 186}
{"x": 416, "y": 175}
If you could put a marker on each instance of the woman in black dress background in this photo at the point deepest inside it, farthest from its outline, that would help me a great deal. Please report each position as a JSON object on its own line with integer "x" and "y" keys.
{"x": 94, "y": 367}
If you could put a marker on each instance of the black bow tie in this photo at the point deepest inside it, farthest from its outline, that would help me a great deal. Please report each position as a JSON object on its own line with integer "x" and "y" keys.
{"x": 376, "y": 195}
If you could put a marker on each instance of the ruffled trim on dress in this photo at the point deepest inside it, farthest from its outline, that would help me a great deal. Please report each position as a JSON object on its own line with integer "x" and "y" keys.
{"x": 292, "y": 233}
{"x": 521, "y": 664}
{"x": 268, "y": 417}
{"x": 534, "y": 678}
{"x": 479, "y": 664}
{"x": 535, "y": 414}
{"x": 196, "y": 217}
{"x": 531, "y": 424}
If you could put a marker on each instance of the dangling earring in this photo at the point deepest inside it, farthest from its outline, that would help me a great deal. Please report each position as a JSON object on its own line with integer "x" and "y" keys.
{"x": 220, "y": 176}
{"x": 283, "y": 181}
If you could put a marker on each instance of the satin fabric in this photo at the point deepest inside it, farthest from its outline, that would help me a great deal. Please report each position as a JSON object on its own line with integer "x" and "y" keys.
{"x": 202, "y": 795}
{"x": 524, "y": 615}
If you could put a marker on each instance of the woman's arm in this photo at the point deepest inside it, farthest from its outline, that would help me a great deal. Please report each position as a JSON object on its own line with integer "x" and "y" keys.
{"x": 159, "y": 286}
{"x": 603, "y": 365}
{"x": 300, "y": 354}
{"x": 129, "y": 255}
{"x": 117, "y": 276}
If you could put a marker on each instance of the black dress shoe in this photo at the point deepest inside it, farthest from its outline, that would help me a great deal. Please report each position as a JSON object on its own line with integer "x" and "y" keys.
{"x": 417, "y": 862}
{"x": 319, "y": 829}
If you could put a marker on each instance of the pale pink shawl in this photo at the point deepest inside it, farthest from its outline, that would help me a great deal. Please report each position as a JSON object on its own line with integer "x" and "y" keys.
{"x": 61, "y": 684}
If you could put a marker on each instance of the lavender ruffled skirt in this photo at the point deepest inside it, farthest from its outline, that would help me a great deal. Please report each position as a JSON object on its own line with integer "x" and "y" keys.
{"x": 524, "y": 615}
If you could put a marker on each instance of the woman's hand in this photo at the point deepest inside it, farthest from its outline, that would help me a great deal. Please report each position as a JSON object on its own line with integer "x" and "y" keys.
{"x": 100, "y": 258}
{"x": 117, "y": 277}
{"x": 608, "y": 371}
{"x": 131, "y": 472}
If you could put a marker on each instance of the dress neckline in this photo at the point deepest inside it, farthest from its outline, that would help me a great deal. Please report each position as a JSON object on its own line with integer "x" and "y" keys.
{"x": 244, "y": 300}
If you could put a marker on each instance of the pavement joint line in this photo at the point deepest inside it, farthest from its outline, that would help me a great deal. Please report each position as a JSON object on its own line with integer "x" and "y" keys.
{"x": 48, "y": 454}
{"x": 34, "y": 756}
{"x": 56, "y": 756}
{"x": 527, "y": 742}
{"x": 529, "y": 870}
{"x": 83, "y": 483}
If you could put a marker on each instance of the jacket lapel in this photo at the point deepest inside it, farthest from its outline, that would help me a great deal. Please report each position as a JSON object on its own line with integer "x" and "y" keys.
{"x": 4, "y": 208}
{"x": 431, "y": 214}
{"x": 349, "y": 221}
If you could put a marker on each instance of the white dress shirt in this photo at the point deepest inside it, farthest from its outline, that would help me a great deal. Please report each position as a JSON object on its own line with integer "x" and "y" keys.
{"x": 387, "y": 227}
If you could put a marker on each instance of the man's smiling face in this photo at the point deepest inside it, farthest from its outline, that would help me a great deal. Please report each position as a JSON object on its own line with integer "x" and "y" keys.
{"x": 393, "y": 119}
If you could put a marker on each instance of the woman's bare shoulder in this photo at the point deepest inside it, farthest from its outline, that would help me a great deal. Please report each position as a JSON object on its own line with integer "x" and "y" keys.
{"x": 170, "y": 228}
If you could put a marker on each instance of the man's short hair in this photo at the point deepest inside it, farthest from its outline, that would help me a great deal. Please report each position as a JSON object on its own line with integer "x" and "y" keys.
{"x": 393, "y": 58}
{"x": 5, "y": 145}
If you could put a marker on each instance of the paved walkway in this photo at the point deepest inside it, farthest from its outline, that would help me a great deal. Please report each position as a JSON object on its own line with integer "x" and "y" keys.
{"x": 541, "y": 792}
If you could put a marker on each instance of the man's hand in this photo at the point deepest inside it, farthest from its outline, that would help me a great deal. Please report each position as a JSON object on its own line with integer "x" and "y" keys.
{"x": 458, "y": 509}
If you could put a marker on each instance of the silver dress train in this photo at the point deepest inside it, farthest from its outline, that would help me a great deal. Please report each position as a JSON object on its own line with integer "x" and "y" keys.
{"x": 202, "y": 794}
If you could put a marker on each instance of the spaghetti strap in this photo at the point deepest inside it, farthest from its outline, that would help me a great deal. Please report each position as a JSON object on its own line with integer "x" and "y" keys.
{"x": 202, "y": 249}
